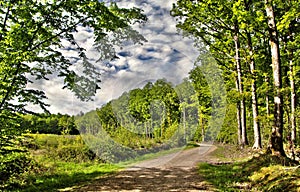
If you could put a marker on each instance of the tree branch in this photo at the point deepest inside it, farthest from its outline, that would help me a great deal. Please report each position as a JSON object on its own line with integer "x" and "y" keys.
{"x": 58, "y": 34}
{"x": 5, "y": 20}
{"x": 10, "y": 87}
{"x": 15, "y": 75}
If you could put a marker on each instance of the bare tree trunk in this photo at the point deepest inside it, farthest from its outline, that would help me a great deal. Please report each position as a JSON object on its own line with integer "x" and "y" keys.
{"x": 238, "y": 116}
{"x": 162, "y": 120}
{"x": 293, "y": 95}
{"x": 184, "y": 125}
{"x": 267, "y": 98}
{"x": 240, "y": 85}
{"x": 256, "y": 126}
{"x": 291, "y": 117}
{"x": 276, "y": 140}
{"x": 151, "y": 128}
{"x": 293, "y": 105}
{"x": 146, "y": 129}
{"x": 202, "y": 126}
{"x": 293, "y": 102}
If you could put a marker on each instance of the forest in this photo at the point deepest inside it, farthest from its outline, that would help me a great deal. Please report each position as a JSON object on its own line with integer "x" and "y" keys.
{"x": 243, "y": 89}
{"x": 256, "y": 44}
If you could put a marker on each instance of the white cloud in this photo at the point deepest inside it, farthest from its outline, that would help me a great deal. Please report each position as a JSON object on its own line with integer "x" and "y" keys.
{"x": 165, "y": 55}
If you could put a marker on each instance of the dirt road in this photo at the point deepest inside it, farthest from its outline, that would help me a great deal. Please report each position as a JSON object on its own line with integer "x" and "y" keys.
{"x": 173, "y": 172}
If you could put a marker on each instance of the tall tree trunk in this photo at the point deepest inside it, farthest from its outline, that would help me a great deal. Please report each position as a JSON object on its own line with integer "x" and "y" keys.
{"x": 184, "y": 124}
{"x": 291, "y": 113}
{"x": 293, "y": 105}
{"x": 238, "y": 116}
{"x": 293, "y": 93}
{"x": 267, "y": 97}
{"x": 276, "y": 140}
{"x": 293, "y": 102}
{"x": 267, "y": 100}
{"x": 241, "y": 90}
{"x": 146, "y": 129}
{"x": 256, "y": 126}
{"x": 202, "y": 126}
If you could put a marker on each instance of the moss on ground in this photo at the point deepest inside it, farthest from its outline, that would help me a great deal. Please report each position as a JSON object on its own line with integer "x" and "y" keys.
{"x": 261, "y": 172}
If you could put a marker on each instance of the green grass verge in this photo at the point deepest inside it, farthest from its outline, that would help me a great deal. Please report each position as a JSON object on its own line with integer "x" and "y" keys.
{"x": 260, "y": 173}
{"x": 231, "y": 153}
{"x": 58, "y": 175}
{"x": 58, "y": 162}
{"x": 62, "y": 162}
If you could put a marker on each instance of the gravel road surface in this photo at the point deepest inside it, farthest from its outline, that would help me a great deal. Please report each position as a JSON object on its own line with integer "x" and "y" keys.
{"x": 173, "y": 172}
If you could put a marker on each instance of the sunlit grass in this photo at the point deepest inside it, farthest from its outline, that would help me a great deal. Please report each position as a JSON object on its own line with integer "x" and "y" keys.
{"x": 224, "y": 177}
{"x": 276, "y": 178}
{"x": 57, "y": 175}
{"x": 260, "y": 173}
{"x": 58, "y": 162}
{"x": 52, "y": 172}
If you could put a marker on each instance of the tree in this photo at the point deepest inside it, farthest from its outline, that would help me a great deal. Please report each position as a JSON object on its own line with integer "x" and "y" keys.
{"x": 139, "y": 105}
{"x": 243, "y": 36}
{"x": 49, "y": 124}
{"x": 288, "y": 30}
{"x": 247, "y": 22}
{"x": 107, "y": 118}
{"x": 32, "y": 36}
{"x": 276, "y": 141}
{"x": 189, "y": 107}
{"x": 220, "y": 32}
{"x": 32, "y": 33}
{"x": 163, "y": 90}
{"x": 204, "y": 97}
{"x": 256, "y": 125}
{"x": 241, "y": 108}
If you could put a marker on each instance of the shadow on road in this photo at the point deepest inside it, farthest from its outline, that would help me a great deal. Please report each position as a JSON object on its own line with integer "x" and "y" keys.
{"x": 172, "y": 172}
{"x": 150, "y": 179}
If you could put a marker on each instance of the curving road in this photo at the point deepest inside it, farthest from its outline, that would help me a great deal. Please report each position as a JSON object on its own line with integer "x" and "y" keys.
{"x": 173, "y": 172}
{"x": 184, "y": 159}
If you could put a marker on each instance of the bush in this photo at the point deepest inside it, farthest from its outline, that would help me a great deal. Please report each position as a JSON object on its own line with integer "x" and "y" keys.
{"x": 12, "y": 165}
{"x": 74, "y": 153}
{"x": 69, "y": 148}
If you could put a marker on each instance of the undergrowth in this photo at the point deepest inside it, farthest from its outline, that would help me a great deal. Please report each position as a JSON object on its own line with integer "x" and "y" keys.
{"x": 64, "y": 161}
{"x": 262, "y": 172}
{"x": 52, "y": 176}
{"x": 56, "y": 162}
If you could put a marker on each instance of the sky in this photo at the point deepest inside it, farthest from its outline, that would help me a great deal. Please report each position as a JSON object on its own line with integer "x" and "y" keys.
{"x": 166, "y": 54}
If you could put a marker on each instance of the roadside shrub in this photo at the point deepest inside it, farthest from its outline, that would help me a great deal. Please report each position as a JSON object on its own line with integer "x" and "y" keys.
{"x": 12, "y": 165}
{"x": 74, "y": 153}
{"x": 69, "y": 148}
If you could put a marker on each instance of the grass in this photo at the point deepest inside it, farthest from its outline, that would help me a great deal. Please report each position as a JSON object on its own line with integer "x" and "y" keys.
{"x": 58, "y": 162}
{"x": 232, "y": 153}
{"x": 53, "y": 170}
{"x": 53, "y": 176}
{"x": 260, "y": 173}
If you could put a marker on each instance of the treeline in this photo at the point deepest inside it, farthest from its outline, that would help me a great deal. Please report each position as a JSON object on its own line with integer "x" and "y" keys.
{"x": 49, "y": 124}
{"x": 144, "y": 116}
{"x": 161, "y": 112}
{"x": 256, "y": 44}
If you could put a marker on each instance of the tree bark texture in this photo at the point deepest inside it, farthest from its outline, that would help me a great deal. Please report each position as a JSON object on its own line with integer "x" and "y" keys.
{"x": 238, "y": 116}
{"x": 240, "y": 86}
{"x": 256, "y": 126}
{"x": 276, "y": 139}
